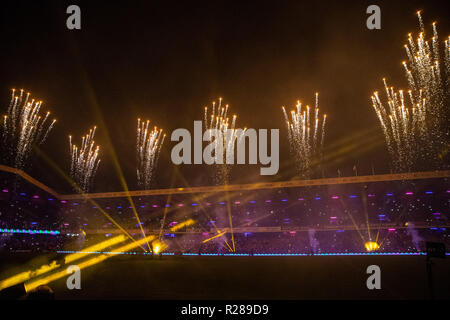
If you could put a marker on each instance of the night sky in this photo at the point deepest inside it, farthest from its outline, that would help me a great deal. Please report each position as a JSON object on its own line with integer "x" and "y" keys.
{"x": 166, "y": 60}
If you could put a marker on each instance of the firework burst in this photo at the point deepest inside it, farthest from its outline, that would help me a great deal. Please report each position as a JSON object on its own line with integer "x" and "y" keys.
{"x": 218, "y": 119}
{"x": 414, "y": 122}
{"x": 148, "y": 147}
{"x": 23, "y": 127}
{"x": 306, "y": 133}
{"x": 84, "y": 161}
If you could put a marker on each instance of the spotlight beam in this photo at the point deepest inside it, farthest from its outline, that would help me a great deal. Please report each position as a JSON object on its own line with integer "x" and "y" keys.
{"x": 74, "y": 185}
{"x": 27, "y": 275}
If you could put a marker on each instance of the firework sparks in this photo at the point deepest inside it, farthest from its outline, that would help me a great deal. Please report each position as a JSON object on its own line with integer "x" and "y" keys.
{"x": 306, "y": 135}
{"x": 401, "y": 125}
{"x": 24, "y": 126}
{"x": 219, "y": 120}
{"x": 148, "y": 147}
{"x": 413, "y": 126}
{"x": 84, "y": 160}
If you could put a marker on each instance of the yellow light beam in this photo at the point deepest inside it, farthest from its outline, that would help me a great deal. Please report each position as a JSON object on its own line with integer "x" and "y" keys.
{"x": 214, "y": 237}
{"x": 96, "y": 247}
{"x": 36, "y": 283}
{"x": 84, "y": 195}
{"x": 371, "y": 246}
{"x": 115, "y": 159}
{"x": 230, "y": 221}
{"x": 95, "y": 260}
{"x": 27, "y": 275}
{"x": 182, "y": 224}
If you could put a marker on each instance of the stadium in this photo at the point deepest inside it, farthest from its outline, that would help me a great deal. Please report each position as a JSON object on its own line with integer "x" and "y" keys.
{"x": 300, "y": 220}
{"x": 106, "y": 196}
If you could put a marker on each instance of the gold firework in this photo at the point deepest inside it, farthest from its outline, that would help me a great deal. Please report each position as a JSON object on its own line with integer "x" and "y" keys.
{"x": 413, "y": 122}
{"x": 24, "y": 126}
{"x": 219, "y": 120}
{"x": 148, "y": 146}
{"x": 84, "y": 160}
{"x": 306, "y": 133}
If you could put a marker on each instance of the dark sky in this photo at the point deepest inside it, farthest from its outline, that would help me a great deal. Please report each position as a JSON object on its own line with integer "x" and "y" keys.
{"x": 166, "y": 60}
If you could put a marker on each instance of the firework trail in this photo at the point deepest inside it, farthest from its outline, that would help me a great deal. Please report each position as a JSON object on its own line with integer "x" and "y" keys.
{"x": 306, "y": 133}
{"x": 219, "y": 120}
{"x": 84, "y": 161}
{"x": 24, "y": 127}
{"x": 148, "y": 147}
{"x": 414, "y": 122}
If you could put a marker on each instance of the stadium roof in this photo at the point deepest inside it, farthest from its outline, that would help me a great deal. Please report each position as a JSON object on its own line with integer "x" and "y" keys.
{"x": 235, "y": 187}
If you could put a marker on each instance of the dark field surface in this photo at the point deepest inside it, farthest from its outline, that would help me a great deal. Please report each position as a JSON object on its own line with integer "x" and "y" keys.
{"x": 144, "y": 277}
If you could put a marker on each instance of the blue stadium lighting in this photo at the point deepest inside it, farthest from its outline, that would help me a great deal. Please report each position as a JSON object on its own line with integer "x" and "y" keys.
{"x": 334, "y": 197}
{"x": 271, "y": 254}
{"x": 29, "y": 231}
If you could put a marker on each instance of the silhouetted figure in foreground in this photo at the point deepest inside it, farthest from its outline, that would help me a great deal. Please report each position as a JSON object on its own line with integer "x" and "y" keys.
{"x": 41, "y": 293}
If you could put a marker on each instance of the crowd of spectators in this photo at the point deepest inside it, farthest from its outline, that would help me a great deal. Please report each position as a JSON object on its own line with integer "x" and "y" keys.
{"x": 331, "y": 218}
